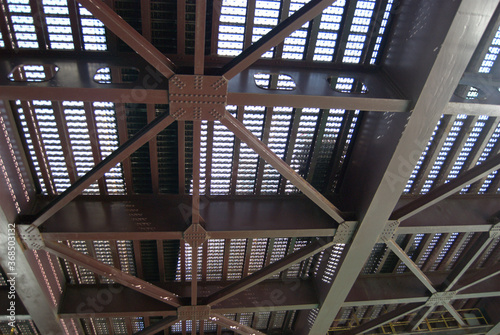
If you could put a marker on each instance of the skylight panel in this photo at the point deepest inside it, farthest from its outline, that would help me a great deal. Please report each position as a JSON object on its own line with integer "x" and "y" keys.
{"x": 2, "y": 43}
{"x": 126, "y": 256}
{"x": 280, "y": 246}
{"x": 231, "y": 27}
{"x": 444, "y": 251}
{"x": 303, "y": 144}
{"x": 357, "y": 38}
{"x": 85, "y": 276}
{"x": 418, "y": 166}
{"x": 266, "y": 18}
{"x": 215, "y": 259}
{"x": 486, "y": 154}
{"x": 222, "y": 156}
{"x": 294, "y": 45}
{"x": 328, "y": 32}
{"x": 107, "y": 134}
{"x": 414, "y": 245}
{"x": 294, "y": 270}
{"x": 491, "y": 56}
{"x": 467, "y": 148}
{"x": 22, "y": 23}
{"x": 58, "y": 24}
{"x": 333, "y": 263}
{"x": 103, "y": 255}
{"x": 258, "y": 254}
{"x": 93, "y": 31}
{"x": 237, "y": 250}
{"x": 278, "y": 136}
{"x": 79, "y": 140}
{"x": 429, "y": 249}
{"x": 445, "y": 150}
{"x": 253, "y": 120}
{"x": 382, "y": 30}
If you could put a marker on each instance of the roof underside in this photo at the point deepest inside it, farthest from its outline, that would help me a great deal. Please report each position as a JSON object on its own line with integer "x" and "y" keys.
{"x": 335, "y": 101}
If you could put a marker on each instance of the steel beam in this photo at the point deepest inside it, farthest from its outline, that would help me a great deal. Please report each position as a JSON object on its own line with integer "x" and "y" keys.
{"x": 134, "y": 143}
{"x": 113, "y": 273}
{"x": 432, "y": 90}
{"x": 199, "y": 37}
{"x": 384, "y": 318}
{"x": 308, "y": 12}
{"x": 129, "y": 35}
{"x": 159, "y": 326}
{"x": 284, "y": 169}
{"x": 28, "y": 287}
{"x": 266, "y": 272}
{"x": 478, "y": 277}
{"x": 233, "y": 325}
{"x": 445, "y": 190}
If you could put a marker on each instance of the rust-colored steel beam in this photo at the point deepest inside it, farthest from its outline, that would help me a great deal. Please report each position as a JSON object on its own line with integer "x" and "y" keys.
{"x": 478, "y": 277}
{"x": 266, "y": 272}
{"x": 130, "y": 36}
{"x": 113, "y": 273}
{"x": 308, "y": 12}
{"x": 384, "y": 318}
{"x": 199, "y": 37}
{"x": 159, "y": 326}
{"x": 233, "y": 325}
{"x": 153, "y": 152}
{"x": 134, "y": 143}
{"x": 267, "y": 154}
{"x": 443, "y": 191}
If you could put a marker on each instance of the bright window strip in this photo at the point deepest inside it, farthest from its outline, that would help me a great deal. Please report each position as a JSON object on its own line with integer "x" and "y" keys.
{"x": 23, "y": 24}
{"x": 137, "y": 324}
{"x": 458, "y": 253}
{"x": 284, "y": 83}
{"x": 222, "y": 157}
{"x": 328, "y": 31}
{"x": 79, "y": 140}
{"x": 485, "y": 155}
{"x": 294, "y": 45}
{"x": 357, "y": 39}
{"x": 231, "y": 27}
{"x": 32, "y": 73}
{"x": 382, "y": 31}
{"x": 333, "y": 263}
{"x": 303, "y": 144}
{"x": 467, "y": 148}
{"x": 441, "y": 158}
{"x": 281, "y": 122}
{"x": 262, "y": 320}
{"x": 374, "y": 259}
{"x": 93, "y": 31}
{"x": 237, "y": 251}
{"x": 103, "y": 255}
{"x": 348, "y": 85}
{"x": 119, "y": 326}
{"x": 215, "y": 259}
{"x": 101, "y": 326}
{"x": 418, "y": 166}
{"x": 85, "y": 276}
{"x": 444, "y": 251}
{"x": 2, "y": 43}
{"x": 203, "y": 159}
{"x": 126, "y": 256}
{"x": 492, "y": 54}
{"x": 52, "y": 144}
{"x": 416, "y": 242}
{"x": 266, "y": 17}
{"x": 279, "y": 251}
{"x": 188, "y": 251}
{"x": 294, "y": 270}
{"x": 58, "y": 24}
{"x": 107, "y": 132}
{"x": 258, "y": 254}
{"x": 429, "y": 249}
{"x": 248, "y": 161}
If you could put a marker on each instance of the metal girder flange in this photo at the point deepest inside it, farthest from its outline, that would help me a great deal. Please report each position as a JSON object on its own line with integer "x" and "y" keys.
{"x": 495, "y": 229}
{"x": 31, "y": 237}
{"x": 196, "y": 98}
{"x": 193, "y": 312}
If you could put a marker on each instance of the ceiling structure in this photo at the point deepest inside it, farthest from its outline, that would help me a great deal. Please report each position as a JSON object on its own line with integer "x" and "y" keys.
{"x": 250, "y": 166}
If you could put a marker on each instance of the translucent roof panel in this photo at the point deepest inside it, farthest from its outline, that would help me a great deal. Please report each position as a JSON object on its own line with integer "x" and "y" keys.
{"x": 491, "y": 56}
{"x": 294, "y": 45}
{"x": 2, "y": 43}
{"x": 231, "y": 27}
{"x": 93, "y": 32}
{"x": 23, "y": 24}
{"x": 358, "y": 31}
{"x": 267, "y": 15}
{"x": 384, "y": 20}
{"x": 58, "y": 24}
{"x": 328, "y": 31}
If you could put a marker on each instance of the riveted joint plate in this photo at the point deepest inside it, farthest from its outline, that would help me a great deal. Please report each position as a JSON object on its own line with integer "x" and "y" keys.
{"x": 495, "y": 231}
{"x": 196, "y": 98}
{"x": 345, "y": 232}
{"x": 31, "y": 237}
{"x": 193, "y": 312}
{"x": 195, "y": 235}
{"x": 389, "y": 231}
{"x": 440, "y": 298}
